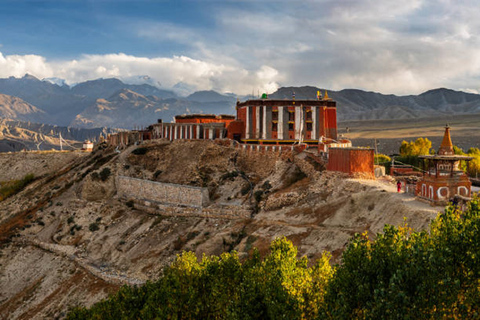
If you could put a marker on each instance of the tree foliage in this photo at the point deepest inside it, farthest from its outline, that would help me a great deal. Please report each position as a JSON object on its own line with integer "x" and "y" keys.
{"x": 420, "y": 147}
{"x": 473, "y": 168}
{"x": 412, "y": 275}
{"x": 280, "y": 286}
{"x": 402, "y": 274}
{"x": 383, "y": 160}
{"x": 409, "y": 151}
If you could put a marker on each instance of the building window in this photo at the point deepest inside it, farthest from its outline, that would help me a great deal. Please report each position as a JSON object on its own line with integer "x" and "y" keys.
{"x": 274, "y": 126}
{"x": 274, "y": 115}
{"x": 309, "y": 126}
{"x": 309, "y": 115}
{"x": 290, "y": 126}
{"x": 291, "y": 116}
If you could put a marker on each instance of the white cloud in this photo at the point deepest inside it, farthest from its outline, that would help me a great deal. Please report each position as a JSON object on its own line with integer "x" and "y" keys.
{"x": 197, "y": 74}
{"x": 17, "y": 66}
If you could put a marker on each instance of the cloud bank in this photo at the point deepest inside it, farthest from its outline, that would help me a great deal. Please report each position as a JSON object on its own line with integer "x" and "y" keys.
{"x": 168, "y": 72}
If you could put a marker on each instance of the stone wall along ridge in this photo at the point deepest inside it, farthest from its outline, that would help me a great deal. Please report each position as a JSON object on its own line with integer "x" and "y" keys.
{"x": 167, "y": 193}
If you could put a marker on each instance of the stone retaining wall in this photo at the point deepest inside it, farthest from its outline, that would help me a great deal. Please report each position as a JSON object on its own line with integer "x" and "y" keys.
{"x": 166, "y": 193}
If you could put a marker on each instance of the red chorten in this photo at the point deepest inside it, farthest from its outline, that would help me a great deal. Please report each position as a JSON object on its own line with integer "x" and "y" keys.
{"x": 442, "y": 177}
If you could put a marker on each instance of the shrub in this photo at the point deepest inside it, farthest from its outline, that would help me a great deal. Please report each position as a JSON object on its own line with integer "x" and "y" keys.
{"x": 104, "y": 174}
{"x": 192, "y": 235}
{"x": 12, "y": 187}
{"x": 258, "y": 195}
{"x": 266, "y": 185}
{"x": 70, "y": 220}
{"x": 93, "y": 227}
{"x": 231, "y": 175}
{"x": 245, "y": 189}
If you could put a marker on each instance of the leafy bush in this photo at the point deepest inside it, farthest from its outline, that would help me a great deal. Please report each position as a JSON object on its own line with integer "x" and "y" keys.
{"x": 405, "y": 274}
{"x": 231, "y": 175}
{"x": 93, "y": 227}
{"x": 278, "y": 287}
{"x": 258, "y": 195}
{"x": 245, "y": 189}
{"x": 12, "y": 187}
{"x": 104, "y": 174}
{"x": 266, "y": 185}
{"x": 383, "y": 160}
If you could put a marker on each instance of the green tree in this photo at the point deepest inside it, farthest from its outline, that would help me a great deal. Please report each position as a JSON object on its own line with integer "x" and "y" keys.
{"x": 411, "y": 275}
{"x": 281, "y": 286}
{"x": 420, "y": 147}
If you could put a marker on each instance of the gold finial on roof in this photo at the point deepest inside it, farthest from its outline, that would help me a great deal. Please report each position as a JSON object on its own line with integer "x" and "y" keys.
{"x": 447, "y": 146}
{"x": 326, "y": 96}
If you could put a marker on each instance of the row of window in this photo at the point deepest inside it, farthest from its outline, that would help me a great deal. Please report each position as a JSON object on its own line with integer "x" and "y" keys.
{"x": 291, "y": 126}
{"x": 291, "y": 115}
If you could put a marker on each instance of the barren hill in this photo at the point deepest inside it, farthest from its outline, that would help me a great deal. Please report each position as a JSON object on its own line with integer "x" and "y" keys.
{"x": 69, "y": 238}
{"x": 15, "y": 108}
{"x": 354, "y": 104}
{"x": 19, "y": 135}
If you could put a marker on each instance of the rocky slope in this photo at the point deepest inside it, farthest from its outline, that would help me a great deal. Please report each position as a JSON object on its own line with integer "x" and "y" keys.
{"x": 20, "y": 135}
{"x": 68, "y": 238}
{"x": 15, "y": 108}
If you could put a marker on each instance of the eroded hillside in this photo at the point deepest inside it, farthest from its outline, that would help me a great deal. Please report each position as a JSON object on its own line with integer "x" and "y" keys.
{"x": 68, "y": 238}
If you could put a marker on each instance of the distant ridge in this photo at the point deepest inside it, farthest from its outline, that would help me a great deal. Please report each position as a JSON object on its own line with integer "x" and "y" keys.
{"x": 354, "y": 104}
{"x": 112, "y": 103}
{"x": 25, "y": 135}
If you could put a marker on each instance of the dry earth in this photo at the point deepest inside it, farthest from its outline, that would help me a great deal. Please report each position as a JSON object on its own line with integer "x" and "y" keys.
{"x": 389, "y": 134}
{"x": 67, "y": 239}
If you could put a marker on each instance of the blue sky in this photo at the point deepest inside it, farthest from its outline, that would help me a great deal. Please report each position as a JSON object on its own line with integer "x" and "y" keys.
{"x": 388, "y": 46}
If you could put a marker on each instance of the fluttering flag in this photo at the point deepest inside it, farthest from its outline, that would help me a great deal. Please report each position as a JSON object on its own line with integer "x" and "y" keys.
{"x": 318, "y": 95}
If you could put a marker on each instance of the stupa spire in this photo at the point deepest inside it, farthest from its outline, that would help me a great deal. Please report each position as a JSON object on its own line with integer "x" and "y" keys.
{"x": 446, "y": 147}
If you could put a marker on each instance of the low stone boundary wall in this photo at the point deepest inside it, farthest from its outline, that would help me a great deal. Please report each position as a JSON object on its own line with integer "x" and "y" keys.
{"x": 166, "y": 193}
{"x": 217, "y": 212}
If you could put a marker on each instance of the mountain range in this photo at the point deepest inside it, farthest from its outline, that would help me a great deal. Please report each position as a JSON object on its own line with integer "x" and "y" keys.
{"x": 25, "y": 135}
{"x": 113, "y": 103}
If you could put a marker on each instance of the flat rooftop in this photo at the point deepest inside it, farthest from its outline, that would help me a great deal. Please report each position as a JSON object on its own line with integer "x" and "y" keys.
{"x": 287, "y": 102}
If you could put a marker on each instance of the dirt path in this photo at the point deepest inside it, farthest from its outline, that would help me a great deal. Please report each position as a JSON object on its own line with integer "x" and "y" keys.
{"x": 406, "y": 198}
{"x": 107, "y": 274}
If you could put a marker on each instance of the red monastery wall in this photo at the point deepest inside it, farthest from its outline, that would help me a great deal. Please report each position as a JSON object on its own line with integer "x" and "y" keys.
{"x": 351, "y": 160}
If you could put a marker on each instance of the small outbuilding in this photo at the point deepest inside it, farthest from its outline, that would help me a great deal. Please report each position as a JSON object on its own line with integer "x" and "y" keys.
{"x": 87, "y": 146}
